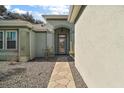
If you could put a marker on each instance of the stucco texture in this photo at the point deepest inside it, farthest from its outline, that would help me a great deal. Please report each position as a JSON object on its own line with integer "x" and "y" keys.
{"x": 99, "y": 35}
{"x": 40, "y": 44}
{"x": 24, "y": 44}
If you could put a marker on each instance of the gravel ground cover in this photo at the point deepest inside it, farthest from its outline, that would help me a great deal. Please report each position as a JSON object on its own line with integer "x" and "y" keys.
{"x": 37, "y": 75}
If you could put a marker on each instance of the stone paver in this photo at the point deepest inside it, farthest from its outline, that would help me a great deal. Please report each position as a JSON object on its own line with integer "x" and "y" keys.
{"x": 61, "y": 76}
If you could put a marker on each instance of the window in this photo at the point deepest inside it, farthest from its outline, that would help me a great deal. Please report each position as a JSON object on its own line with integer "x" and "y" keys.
{"x": 1, "y": 40}
{"x": 11, "y": 40}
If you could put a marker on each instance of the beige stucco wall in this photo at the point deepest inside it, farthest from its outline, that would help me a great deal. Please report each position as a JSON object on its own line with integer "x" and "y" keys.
{"x": 44, "y": 40}
{"x": 32, "y": 44}
{"x": 50, "y": 43}
{"x": 8, "y": 55}
{"x": 24, "y": 44}
{"x": 40, "y": 44}
{"x": 100, "y": 46}
{"x": 61, "y": 23}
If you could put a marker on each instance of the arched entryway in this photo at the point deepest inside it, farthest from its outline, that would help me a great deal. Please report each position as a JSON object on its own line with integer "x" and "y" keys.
{"x": 62, "y": 41}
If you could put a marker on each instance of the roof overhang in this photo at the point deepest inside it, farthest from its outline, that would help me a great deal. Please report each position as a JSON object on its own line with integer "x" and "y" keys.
{"x": 55, "y": 17}
{"x": 74, "y": 12}
{"x": 20, "y": 23}
{"x": 39, "y": 28}
{"x": 15, "y": 23}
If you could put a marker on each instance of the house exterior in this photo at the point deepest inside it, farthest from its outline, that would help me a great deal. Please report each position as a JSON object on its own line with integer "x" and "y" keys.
{"x": 99, "y": 47}
{"x": 63, "y": 30}
{"x": 23, "y": 41}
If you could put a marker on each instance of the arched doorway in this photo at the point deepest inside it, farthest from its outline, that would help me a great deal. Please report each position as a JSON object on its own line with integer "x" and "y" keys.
{"x": 62, "y": 41}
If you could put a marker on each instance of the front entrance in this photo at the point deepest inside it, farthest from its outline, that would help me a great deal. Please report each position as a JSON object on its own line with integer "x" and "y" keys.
{"x": 62, "y": 41}
{"x": 62, "y": 44}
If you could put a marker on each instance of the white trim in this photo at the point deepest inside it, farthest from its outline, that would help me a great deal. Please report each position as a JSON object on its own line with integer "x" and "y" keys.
{"x": 47, "y": 17}
{"x": 3, "y": 39}
{"x": 73, "y": 13}
{"x": 6, "y": 39}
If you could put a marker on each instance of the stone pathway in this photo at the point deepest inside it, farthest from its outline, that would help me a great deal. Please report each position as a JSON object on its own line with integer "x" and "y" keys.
{"x": 61, "y": 76}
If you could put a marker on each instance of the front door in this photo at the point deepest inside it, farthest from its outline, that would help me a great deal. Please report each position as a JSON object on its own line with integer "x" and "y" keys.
{"x": 62, "y": 44}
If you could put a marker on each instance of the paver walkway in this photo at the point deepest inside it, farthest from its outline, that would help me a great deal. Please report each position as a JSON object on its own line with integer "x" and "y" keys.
{"x": 61, "y": 76}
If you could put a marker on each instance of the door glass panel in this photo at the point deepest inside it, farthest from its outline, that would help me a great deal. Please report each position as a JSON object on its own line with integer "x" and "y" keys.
{"x": 62, "y": 44}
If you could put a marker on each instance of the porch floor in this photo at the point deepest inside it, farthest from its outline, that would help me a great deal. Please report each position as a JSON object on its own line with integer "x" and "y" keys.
{"x": 58, "y": 72}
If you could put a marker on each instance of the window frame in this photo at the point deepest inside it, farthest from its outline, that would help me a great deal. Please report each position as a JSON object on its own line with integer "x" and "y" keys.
{"x": 3, "y": 39}
{"x": 6, "y": 40}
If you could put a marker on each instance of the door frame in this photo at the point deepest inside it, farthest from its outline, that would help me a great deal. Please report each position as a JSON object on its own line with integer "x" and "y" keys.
{"x": 65, "y": 49}
{"x": 61, "y": 31}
